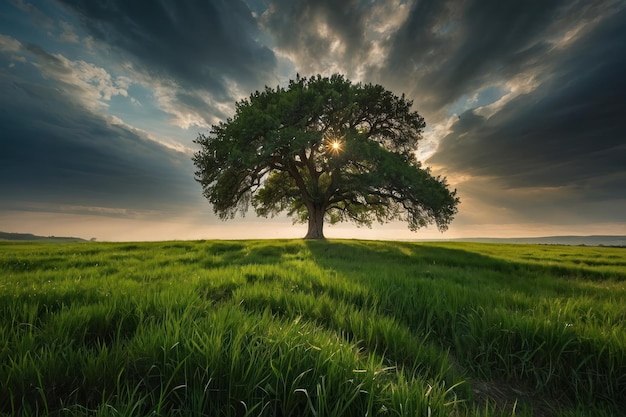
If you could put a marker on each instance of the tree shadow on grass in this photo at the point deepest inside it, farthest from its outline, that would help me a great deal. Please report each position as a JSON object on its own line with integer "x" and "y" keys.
{"x": 346, "y": 254}
{"x": 470, "y": 303}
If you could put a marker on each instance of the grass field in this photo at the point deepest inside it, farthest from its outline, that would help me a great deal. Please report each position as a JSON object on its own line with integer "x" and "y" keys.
{"x": 311, "y": 328}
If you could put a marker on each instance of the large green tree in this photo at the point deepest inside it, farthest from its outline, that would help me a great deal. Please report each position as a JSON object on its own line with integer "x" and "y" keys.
{"x": 323, "y": 149}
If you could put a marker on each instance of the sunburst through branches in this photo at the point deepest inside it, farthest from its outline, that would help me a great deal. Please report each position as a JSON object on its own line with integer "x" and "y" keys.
{"x": 333, "y": 146}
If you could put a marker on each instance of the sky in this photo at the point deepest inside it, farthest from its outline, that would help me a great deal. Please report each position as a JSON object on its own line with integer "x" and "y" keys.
{"x": 100, "y": 102}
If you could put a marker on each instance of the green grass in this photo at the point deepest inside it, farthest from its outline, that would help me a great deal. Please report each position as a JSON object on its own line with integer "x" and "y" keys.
{"x": 311, "y": 328}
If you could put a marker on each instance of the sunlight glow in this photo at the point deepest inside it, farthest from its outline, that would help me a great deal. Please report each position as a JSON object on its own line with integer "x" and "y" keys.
{"x": 333, "y": 146}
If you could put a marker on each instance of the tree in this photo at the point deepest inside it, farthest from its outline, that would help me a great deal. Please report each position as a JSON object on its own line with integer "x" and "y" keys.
{"x": 323, "y": 149}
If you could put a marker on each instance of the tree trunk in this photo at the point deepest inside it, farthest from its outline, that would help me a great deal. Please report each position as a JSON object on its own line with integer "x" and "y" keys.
{"x": 316, "y": 223}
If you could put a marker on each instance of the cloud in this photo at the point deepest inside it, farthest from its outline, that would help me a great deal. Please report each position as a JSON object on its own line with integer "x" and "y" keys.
{"x": 85, "y": 82}
{"x": 186, "y": 108}
{"x": 9, "y": 44}
{"x": 201, "y": 45}
{"x": 67, "y": 33}
{"x": 38, "y": 17}
{"x": 445, "y": 50}
{"x": 56, "y": 153}
{"x": 329, "y": 36}
{"x": 316, "y": 33}
{"x": 563, "y": 139}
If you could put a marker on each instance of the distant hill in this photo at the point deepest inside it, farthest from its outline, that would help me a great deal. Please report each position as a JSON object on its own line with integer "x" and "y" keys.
{"x": 28, "y": 236}
{"x": 598, "y": 240}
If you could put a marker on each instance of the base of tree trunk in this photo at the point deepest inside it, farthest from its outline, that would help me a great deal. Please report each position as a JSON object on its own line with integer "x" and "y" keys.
{"x": 314, "y": 236}
{"x": 316, "y": 225}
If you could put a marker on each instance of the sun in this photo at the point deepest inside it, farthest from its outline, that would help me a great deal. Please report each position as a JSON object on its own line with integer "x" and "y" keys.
{"x": 334, "y": 146}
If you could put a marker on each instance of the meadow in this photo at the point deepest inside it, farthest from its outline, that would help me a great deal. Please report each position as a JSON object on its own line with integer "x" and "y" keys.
{"x": 311, "y": 328}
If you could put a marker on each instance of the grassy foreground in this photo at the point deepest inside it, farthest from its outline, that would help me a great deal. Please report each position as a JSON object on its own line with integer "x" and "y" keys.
{"x": 299, "y": 328}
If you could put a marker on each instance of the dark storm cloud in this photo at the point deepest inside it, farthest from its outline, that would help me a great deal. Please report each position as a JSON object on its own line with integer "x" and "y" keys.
{"x": 200, "y": 44}
{"x": 307, "y": 29}
{"x": 568, "y": 132}
{"x": 445, "y": 49}
{"x": 423, "y": 42}
{"x": 54, "y": 152}
{"x": 494, "y": 36}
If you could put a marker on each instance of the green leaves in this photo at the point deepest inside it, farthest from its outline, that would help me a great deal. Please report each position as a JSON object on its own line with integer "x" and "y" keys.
{"x": 277, "y": 152}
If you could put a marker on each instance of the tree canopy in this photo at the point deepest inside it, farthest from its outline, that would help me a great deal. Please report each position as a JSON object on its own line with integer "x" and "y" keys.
{"x": 323, "y": 149}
